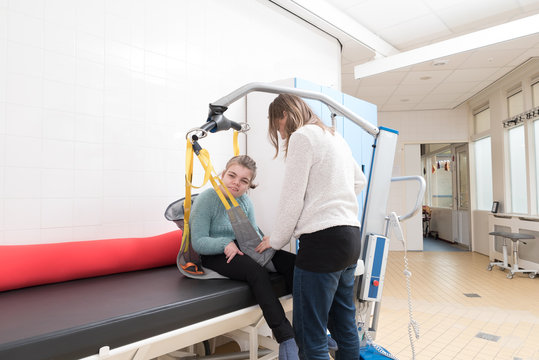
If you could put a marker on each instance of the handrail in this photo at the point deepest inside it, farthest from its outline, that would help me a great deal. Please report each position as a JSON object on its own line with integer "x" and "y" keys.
{"x": 276, "y": 89}
{"x": 420, "y": 194}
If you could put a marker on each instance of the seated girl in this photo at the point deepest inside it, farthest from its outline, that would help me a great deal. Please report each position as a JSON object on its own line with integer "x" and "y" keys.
{"x": 212, "y": 236}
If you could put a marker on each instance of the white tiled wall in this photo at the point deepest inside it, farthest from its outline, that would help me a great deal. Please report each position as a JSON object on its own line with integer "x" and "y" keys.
{"x": 96, "y": 96}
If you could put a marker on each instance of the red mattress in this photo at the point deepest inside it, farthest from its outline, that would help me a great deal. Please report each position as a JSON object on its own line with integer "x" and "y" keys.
{"x": 28, "y": 265}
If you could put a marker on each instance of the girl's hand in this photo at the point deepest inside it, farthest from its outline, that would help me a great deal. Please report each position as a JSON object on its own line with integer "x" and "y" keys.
{"x": 231, "y": 250}
{"x": 264, "y": 245}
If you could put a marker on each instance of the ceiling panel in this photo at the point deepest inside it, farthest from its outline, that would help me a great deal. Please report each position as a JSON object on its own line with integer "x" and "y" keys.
{"x": 490, "y": 58}
{"x": 413, "y": 24}
{"x": 350, "y": 83}
{"x": 475, "y": 15}
{"x": 406, "y": 91}
{"x": 440, "y": 98}
{"x": 379, "y": 100}
{"x": 422, "y": 77}
{"x": 415, "y": 31}
{"x": 444, "y": 88}
{"x": 379, "y": 91}
{"x": 529, "y": 5}
{"x": 523, "y": 57}
{"x": 522, "y": 43}
{"x": 389, "y": 12}
{"x": 468, "y": 75}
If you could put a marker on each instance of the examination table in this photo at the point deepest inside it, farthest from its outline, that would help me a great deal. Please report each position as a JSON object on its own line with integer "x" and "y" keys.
{"x": 87, "y": 317}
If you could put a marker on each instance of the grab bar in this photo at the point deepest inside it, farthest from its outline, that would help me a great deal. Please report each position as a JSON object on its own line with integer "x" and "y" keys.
{"x": 420, "y": 194}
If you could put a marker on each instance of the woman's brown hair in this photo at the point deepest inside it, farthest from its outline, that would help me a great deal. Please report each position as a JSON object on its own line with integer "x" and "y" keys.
{"x": 299, "y": 114}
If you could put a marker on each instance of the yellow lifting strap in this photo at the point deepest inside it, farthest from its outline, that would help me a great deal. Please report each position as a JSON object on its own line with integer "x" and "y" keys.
{"x": 215, "y": 180}
{"x": 235, "y": 143}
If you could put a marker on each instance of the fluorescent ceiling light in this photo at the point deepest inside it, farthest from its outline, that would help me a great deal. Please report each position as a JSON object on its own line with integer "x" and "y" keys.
{"x": 493, "y": 35}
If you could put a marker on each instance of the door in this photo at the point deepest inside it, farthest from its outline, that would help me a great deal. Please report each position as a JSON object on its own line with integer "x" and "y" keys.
{"x": 462, "y": 198}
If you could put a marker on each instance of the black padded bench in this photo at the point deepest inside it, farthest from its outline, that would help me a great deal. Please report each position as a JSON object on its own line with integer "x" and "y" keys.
{"x": 74, "y": 319}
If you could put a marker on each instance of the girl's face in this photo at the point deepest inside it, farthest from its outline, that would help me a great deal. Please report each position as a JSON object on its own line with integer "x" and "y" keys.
{"x": 237, "y": 179}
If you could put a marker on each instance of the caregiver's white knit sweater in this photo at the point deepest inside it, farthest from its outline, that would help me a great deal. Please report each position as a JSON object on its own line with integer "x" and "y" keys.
{"x": 320, "y": 188}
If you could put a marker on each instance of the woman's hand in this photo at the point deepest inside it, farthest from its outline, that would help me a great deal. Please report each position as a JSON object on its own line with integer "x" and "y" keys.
{"x": 231, "y": 250}
{"x": 264, "y": 245}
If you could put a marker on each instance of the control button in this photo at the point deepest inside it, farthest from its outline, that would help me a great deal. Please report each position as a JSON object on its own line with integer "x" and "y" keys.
{"x": 375, "y": 283}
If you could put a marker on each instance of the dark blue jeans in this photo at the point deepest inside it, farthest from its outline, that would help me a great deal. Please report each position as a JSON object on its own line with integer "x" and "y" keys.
{"x": 325, "y": 301}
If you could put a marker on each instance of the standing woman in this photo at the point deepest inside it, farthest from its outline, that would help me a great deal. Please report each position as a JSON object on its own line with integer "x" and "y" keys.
{"x": 213, "y": 238}
{"x": 319, "y": 206}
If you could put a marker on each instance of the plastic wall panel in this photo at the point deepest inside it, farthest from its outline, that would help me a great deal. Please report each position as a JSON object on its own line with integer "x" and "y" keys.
{"x": 315, "y": 105}
{"x": 360, "y": 141}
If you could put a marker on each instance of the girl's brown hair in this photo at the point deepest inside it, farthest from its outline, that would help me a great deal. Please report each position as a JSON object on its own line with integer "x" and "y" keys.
{"x": 245, "y": 161}
{"x": 299, "y": 114}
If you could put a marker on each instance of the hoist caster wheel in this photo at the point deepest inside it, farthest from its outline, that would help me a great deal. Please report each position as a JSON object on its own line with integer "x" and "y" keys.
{"x": 532, "y": 275}
{"x": 509, "y": 276}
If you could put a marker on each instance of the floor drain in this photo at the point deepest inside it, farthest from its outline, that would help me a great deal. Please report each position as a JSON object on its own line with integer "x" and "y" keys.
{"x": 488, "y": 337}
{"x": 472, "y": 295}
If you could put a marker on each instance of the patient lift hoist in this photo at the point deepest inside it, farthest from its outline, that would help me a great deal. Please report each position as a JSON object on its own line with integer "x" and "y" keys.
{"x": 376, "y": 224}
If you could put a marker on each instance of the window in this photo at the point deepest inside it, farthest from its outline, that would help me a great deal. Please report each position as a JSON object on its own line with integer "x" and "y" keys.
{"x": 515, "y": 105}
{"x": 535, "y": 94}
{"x": 426, "y": 166}
{"x": 517, "y": 171}
{"x": 441, "y": 180}
{"x": 463, "y": 195}
{"x": 483, "y": 173}
{"x": 482, "y": 121}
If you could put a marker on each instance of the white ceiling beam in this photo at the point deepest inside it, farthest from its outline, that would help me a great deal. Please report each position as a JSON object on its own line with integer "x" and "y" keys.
{"x": 336, "y": 22}
{"x": 481, "y": 38}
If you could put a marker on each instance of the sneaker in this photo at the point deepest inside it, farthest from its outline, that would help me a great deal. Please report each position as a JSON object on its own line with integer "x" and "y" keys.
{"x": 332, "y": 344}
{"x": 288, "y": 350}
